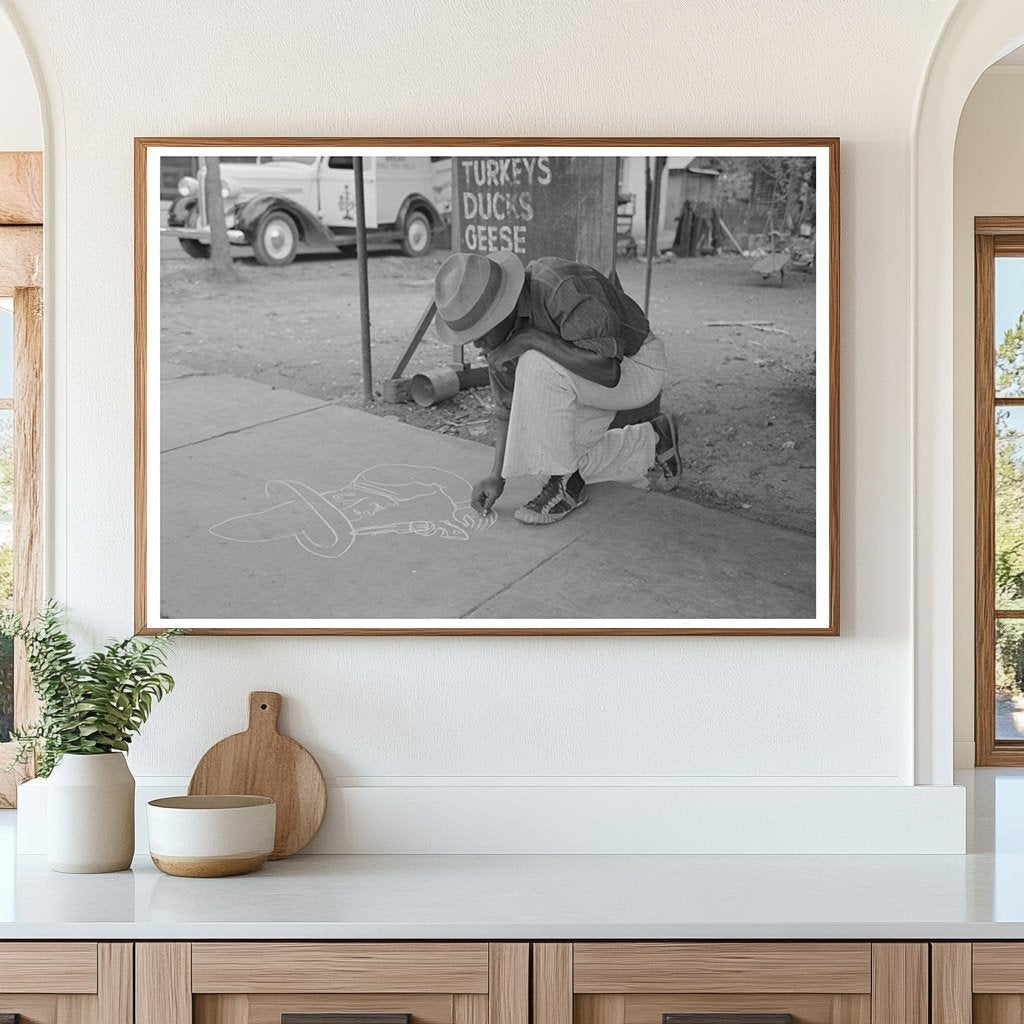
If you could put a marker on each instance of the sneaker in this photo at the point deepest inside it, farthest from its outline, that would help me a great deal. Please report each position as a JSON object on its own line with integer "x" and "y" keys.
{"x": 558, "y": 497}
{"x": 666, "y": 450}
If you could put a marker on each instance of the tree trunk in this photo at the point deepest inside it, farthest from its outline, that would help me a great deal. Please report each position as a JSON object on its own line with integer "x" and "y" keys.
{"x": 794, "y": 184}
{"x": 222, "y": 263}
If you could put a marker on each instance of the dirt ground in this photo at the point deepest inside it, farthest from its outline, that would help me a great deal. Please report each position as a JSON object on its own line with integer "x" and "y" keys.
{"x": 745, "y": 396}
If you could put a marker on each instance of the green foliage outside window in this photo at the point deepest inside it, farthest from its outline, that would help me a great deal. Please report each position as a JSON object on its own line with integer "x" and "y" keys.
{"x": 1009, "y": 511}
{"x": 1010, "y": 362}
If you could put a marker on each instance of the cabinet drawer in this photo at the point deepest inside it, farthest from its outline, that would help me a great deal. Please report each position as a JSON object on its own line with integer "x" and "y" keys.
{"x": 332, "y": 983}
{"x": 998, "y": 967}
{"x": 64, "y": 967}
{"x": 730, "y": 983}
{"x": 634, "y": 967}
{"x": 340, "y": 967}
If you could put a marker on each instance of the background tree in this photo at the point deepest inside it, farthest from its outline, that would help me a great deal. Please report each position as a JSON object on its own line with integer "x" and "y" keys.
{"x": 222, "y": 263}
{"x": 779, "y": 192}
{"x": 1010, "y": 361}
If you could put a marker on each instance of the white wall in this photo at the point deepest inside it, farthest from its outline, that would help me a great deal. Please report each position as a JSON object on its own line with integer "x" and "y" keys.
{"x": 988, "y": 180}
{"x": 21, "y": 126}
{"x": 442, "y": 713}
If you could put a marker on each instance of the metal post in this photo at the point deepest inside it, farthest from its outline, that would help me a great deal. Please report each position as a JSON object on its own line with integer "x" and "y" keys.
{"x": 653, "y": 214}
{"x": 364, "y": 288}
{"x": 201, "y": 221}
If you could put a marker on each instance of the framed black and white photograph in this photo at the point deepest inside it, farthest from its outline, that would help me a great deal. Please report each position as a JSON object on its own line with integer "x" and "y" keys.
{"x": 513, "y": 386}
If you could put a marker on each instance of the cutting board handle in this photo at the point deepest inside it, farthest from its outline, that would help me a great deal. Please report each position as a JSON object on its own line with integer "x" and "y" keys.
{"x": 264, "y": 710}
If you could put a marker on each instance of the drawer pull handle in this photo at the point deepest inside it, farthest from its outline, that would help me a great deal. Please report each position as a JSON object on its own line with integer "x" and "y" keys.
{"x": 727, "y": 1018}
{"x": 340, "y": 1018}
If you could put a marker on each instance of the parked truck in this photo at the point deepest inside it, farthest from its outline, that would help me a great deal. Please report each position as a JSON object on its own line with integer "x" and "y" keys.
{"x": 276, "y": 204}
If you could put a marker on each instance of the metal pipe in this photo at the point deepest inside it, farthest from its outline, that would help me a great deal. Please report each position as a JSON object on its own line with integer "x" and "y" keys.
{"x": 653, "y": 213}
{"x": 364, "y": 287}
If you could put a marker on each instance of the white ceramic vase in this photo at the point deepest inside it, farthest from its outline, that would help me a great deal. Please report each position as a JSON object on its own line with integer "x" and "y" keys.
{"x": 90, "y": 814}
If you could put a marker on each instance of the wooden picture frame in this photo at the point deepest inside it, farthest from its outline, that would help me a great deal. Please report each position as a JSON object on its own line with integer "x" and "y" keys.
{"x": 151, "y": 616}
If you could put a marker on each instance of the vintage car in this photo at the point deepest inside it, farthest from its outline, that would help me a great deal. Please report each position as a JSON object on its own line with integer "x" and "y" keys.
{"x": 277, "y": 203}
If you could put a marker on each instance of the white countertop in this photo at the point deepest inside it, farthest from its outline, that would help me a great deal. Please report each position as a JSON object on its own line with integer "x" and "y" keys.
{"x": 496, "y": 897}
{"x": 977, "y": 896}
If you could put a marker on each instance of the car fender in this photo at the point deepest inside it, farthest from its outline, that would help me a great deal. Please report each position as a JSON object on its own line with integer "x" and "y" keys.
{"x": 415, "y": 202}
{"x": 182, "y": 210}
{"x": 310, "y": 228}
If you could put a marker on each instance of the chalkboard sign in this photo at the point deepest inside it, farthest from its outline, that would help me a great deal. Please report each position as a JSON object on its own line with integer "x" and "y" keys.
{"x": 536, "y": 206}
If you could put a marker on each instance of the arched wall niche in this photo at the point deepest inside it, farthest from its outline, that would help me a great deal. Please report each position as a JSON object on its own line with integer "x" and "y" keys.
{"x": 976, "y": 34}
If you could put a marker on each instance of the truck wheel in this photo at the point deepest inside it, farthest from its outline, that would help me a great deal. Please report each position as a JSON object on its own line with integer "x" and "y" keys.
{"x": 275, "y": 240}
{"x": 416, "y": 236}
{"x": 197, "y": 250}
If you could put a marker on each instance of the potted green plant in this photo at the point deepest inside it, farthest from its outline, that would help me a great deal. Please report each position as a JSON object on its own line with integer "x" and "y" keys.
{"x": 90, "y": 708}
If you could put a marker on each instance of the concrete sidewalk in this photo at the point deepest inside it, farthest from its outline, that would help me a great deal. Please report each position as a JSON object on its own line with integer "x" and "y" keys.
{"x": 274, "y": 505}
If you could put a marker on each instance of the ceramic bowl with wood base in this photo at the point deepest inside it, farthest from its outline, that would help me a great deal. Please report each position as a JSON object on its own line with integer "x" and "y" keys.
{"x": 211, "y": 836}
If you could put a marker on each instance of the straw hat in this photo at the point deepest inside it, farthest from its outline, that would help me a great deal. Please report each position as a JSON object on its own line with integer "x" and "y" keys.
{"x": 474, "y": 293}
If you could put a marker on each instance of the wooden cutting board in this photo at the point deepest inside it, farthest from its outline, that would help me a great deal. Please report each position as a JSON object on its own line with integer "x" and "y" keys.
{"x": 262, "y": 762}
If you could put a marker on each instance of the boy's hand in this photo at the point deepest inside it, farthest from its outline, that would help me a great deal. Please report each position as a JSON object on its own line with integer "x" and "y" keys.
{"x": 486, "y": 492}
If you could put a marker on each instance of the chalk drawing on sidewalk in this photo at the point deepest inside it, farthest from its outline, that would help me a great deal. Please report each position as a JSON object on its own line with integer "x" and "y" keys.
{"x": 385, "y": 499}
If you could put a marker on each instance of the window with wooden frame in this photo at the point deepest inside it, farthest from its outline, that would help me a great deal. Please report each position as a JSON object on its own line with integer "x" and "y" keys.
{"x": 21, "y": 363}
{"x": 999, "y": 490}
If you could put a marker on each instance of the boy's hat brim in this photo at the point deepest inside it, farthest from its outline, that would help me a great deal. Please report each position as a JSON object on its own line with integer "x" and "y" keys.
{"x": 513, "y": 276}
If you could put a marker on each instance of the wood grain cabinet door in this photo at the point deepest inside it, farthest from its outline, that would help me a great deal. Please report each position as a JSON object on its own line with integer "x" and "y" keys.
{"x": 730, "y": 983}
{"x": 66, "y": 982}
{"x": 332, "y": 983}
{"x": 978, "y": 983}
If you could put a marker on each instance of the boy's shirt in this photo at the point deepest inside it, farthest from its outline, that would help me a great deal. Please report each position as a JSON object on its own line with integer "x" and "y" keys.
{"x": 578, "y": 304}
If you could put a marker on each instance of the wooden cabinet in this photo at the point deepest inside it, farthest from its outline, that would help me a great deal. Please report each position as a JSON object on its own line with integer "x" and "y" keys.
{"x": 512, "y": 983}
{"x": 66, "y": 982}
{"x": 758, "y": 982}
{"x": 978, "y": 983}
{"x": 376, "y": 982}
